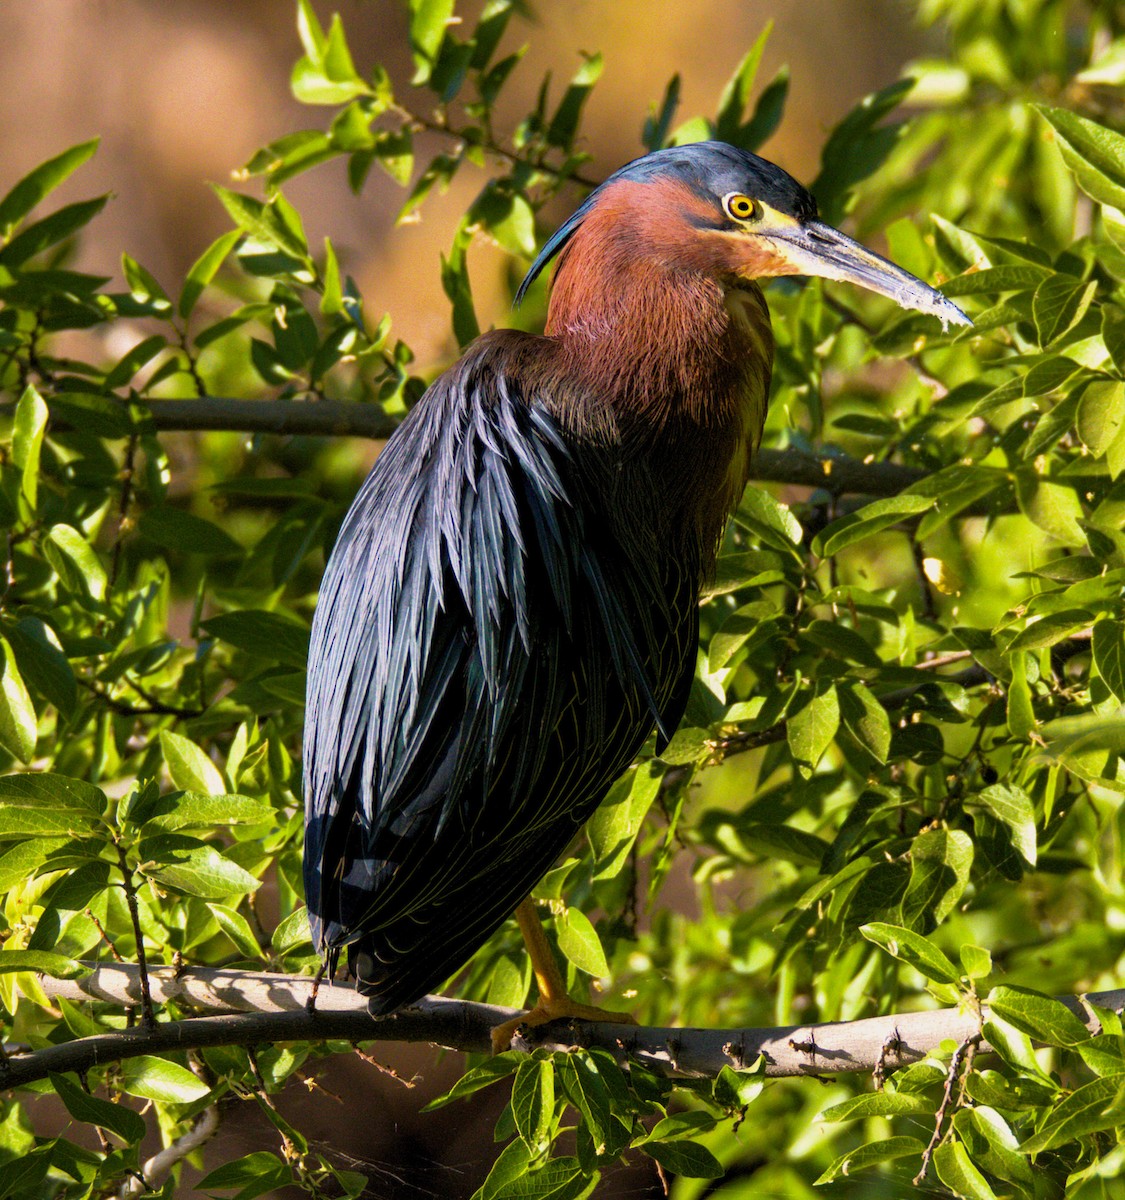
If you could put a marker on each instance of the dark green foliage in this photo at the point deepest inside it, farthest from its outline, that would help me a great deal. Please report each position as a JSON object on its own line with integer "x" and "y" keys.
{"x": 901, "y": 769}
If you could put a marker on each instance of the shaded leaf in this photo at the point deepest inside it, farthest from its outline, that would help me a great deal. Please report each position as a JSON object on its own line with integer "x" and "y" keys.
{"x": 116, "y": 1118}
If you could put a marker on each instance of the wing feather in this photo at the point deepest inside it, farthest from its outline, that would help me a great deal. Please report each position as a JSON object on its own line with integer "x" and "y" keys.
{"x": 489, "y": 652}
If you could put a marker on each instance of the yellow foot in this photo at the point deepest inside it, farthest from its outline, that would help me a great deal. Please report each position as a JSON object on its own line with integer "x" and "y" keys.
{"x": 561, "y": 1008}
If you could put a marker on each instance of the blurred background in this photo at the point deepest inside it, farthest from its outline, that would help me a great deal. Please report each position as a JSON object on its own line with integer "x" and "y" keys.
{"x": 183, "y": 92}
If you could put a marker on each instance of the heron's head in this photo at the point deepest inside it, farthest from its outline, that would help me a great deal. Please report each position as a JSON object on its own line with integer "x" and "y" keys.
{"x": 709, "y": 207}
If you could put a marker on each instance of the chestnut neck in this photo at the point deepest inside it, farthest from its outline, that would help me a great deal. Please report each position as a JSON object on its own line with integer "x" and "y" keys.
{"x": 661, "y": 357}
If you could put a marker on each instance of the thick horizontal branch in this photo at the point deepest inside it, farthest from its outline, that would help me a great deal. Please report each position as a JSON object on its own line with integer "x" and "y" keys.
{"x": 837, "y": 474}
{"x": 260, "y": 1008}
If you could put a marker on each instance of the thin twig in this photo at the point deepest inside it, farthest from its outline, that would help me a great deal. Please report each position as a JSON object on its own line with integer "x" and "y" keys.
{"x": 104, "y": 936}
{"x": 951, "y": 1078}
{"x": 135, "y": 916}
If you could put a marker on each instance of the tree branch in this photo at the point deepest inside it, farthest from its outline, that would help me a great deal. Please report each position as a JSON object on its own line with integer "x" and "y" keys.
{"x": 838, "y": 474}
{"x": 261, "y": 1008}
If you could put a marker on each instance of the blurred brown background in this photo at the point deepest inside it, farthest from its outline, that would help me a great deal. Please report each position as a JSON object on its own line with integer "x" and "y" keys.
{"x": 182, "y": 92}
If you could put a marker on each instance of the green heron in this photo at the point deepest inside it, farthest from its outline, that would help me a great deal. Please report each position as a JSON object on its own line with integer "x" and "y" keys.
{"x": 511, "y": 607}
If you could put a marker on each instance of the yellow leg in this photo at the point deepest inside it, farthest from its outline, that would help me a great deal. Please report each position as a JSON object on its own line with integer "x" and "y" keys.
{"x": 554, "y": 1003}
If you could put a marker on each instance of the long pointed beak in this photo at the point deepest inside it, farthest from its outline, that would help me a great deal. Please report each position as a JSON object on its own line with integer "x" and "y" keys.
{"x": 813, "y": 248}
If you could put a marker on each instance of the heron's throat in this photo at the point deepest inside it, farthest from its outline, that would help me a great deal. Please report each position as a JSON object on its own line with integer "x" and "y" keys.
{"x": 677, "y": 368}
{"x": 666, "y": 345}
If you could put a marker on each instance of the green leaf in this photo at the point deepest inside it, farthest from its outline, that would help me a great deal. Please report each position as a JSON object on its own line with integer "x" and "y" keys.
{"x": 912, "y": 948}
{"x": 1059, "y": 304}
{"x": 176, "y": 529}
{"x": 940, "y": 862}
{"x": 266, "y": 634}
{"x": 613, "y": 828}
{"x": 48, "y": 792}
{"x": 858, "y": 145}
{"x": 292, "y": 932}
{"x": 869, "y": 520}
{"x": 811, "y": 729}
{"x": 27, "y": 438}
{"x": 955, "y": 1169}
{"x": 327, "y": 74}
{"x": 75, "y": 561}
{"x": 865, "y": 719}
{"x": 193, "y": 867}
{"x": 253, "y": 1174}
{"x": 116, "y": 1118}
{"x": 19, "y": 726}
{"x": 36, "y": 185}
{"x": 871, "y": 1155}
{"x": 1040, "y": 1017}
{"x": 498, "y": 1067}
{"x": 428, "y": 22}
{"x": 43, "y": 962}
{"x": 23, "y": 1176}
{"x": 1012, "y": 807}
{"x": 42, "y": 663}
{"x": 563, "y": 125}
{"x": 1101, "y": 415}
{"x": 579, "y": 942}
{"x": 1094, "y": 154}
{"x": 578, "y": 1074}
{"x": 332, "y": 301}
{"x": 990, "y": 1143}
{"x": 1087, "y": 745}
{"x": 21, "y": 862}
{"x": 1109, "y": 654}
{"x": 737, "y": 1089}
{"x": 1099, "y": 1104}
{"x": 770, "y": 841}
{"x": 1052, "y": 506}
{"x": 685, "y": 1158}
{"x": 1006, "y": 278}
{"x": 160, "y": 1079}
{"x": 189, "y": 766}
{"x": 1051, "y": 629}
{"x": 50, "y": 231}
{"x": 46, "y": 804}
{"x": 738, "y": 91}
{"x": 771, "y": 520}
{"x": 1103, "y": 1054}
{"x": 175, "y": 811}
{"x": 1113, "y": 334}
{"x": 143, "y": 285}
{"x": 533, "y": 1102}
{"x": 1020, "y": 708}
{"x": 877, "y": 1104}
{"x": 204, "y": 269}
{"x": 265, "y": 222}
{"x": 237, "y": 928}
{"x": 976, "y": 962}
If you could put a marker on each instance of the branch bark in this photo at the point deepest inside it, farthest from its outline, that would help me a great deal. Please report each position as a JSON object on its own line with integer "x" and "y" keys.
{"x": 252, "y": 1009}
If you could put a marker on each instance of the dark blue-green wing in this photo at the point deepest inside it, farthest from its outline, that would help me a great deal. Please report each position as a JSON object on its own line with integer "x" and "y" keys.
{"x": 487, "y": 656}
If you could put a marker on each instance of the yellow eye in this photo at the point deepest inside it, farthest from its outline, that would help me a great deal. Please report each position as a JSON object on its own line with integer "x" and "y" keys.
{"x": 740, "y": 207}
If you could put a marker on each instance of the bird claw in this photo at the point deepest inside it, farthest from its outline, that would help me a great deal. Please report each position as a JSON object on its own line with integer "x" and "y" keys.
{"x": 561, "y": 1009}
